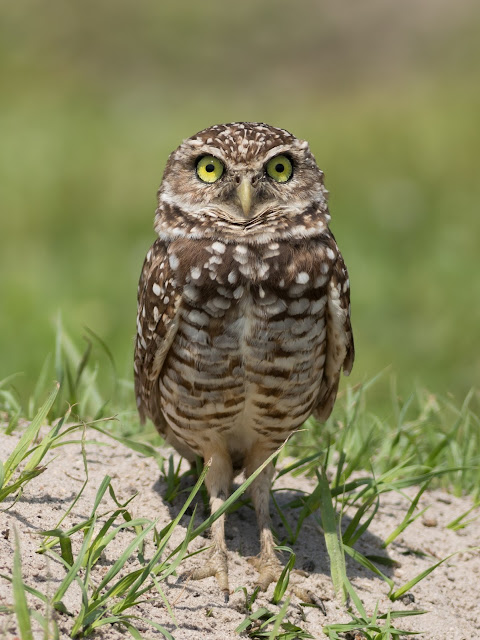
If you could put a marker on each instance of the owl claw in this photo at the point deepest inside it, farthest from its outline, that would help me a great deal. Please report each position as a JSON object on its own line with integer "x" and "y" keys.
{"x": 270, "y": 568}
{"x": 308, "y": 597}
{"x": 216, "y": 567}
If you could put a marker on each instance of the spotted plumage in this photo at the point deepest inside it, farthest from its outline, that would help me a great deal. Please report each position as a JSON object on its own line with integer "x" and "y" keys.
{"x": 243, "y": 320}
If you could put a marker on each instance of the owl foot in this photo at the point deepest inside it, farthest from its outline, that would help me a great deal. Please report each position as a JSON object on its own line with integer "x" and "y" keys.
{"x": 270, "y": 568}
{"x": 215, "y": 567}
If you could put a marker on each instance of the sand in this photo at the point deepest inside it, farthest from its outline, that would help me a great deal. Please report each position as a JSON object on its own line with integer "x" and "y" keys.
{"x": 451, "y": 594}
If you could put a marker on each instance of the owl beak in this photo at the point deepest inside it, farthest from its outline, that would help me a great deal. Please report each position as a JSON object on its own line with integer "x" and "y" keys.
{"x": 245, "y": 193}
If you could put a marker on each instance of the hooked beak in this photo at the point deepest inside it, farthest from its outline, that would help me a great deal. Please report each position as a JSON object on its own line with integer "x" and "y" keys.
{"x": 245, "y": 193}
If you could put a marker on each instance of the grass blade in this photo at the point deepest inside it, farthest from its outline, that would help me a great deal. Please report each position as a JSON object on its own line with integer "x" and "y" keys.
{"x": 74, "y": 569}
{"x": 39, "y": 453}
{"x": 355, "y": 599}
{"x": 332, "y": 539}
{"x": 278, "y": 620}
{"x": 284, "y": 578}
{"x": 29, "y": 436}
{"x": 411, "y": 583}
{"x": 352, "y": 533}
{"x": 460, "y": 522}
{"x": 120, "y": 562}
{"x": 40, "y": 385}
{"x": 365, "y": 562}
{"x": 408, "y": 519}
{"x": 20, "y": 599}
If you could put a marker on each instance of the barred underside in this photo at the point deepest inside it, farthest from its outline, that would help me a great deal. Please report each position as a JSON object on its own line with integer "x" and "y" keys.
{"x": 240, "y": 341}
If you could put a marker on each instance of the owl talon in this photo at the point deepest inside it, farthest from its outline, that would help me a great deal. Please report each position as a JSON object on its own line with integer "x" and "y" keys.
{"x": 269, "y": 570}
{"x": 308, "y": 597}
{"x": 216, "y": 567}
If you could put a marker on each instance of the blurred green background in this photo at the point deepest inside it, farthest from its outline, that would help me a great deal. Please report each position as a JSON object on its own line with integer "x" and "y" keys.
{"x": 95, "y": 95}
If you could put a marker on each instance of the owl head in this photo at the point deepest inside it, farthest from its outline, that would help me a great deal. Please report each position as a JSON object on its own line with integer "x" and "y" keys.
{"x": 239, "y": 173}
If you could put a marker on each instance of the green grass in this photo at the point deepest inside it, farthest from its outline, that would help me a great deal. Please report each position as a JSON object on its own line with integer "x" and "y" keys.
{"x": 86, "y": 132}
{"x": 389, "y": 101}
{"x": 427, "y": 441}
{"x": 411, "y": 262}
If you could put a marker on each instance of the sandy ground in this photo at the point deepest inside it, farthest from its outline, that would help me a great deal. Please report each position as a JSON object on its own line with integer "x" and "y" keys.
{"x": 451, "y": 594}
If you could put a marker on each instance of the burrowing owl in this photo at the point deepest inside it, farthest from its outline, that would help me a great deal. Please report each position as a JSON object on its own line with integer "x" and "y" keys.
{"x": 243, "y": 311}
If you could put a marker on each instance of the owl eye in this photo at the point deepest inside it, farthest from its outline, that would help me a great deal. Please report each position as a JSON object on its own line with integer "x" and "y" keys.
{"x": 280, "y": 168}
{"x": 209, "y": 169}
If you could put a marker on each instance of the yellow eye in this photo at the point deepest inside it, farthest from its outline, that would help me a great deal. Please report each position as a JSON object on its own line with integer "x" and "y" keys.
{"x": 209, "y": 169}
{"x": 280, "y": 168}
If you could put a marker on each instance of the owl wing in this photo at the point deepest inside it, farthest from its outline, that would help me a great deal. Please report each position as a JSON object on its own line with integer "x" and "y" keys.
{"x": 157, "y": 324}
{"x": 340, "y": 350}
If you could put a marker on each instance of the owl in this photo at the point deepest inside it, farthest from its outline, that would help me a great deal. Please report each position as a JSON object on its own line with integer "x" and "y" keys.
{"x": 243, "y": 322}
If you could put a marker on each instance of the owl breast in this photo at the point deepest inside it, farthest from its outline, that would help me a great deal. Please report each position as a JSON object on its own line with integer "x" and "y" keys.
{"x": 247, "y": 361}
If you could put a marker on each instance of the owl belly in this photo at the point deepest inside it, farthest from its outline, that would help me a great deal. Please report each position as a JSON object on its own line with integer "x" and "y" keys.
{"x": 249, "y": 375}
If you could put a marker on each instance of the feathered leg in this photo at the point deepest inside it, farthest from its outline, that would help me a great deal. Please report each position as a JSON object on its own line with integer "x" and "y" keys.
{"x": 267, "y": 563}
{"x": 218, "y": 482}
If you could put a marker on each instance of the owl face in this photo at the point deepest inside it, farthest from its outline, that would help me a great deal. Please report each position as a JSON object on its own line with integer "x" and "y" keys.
{"x": 240, "y": 171}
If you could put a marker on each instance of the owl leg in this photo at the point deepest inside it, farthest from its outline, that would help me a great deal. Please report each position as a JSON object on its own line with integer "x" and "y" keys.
{"x": 218, "y": 481}
{"x": 267, "y": 562}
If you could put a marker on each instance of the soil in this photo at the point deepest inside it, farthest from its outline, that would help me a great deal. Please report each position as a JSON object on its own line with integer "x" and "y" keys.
{"x": 451, "y": 594}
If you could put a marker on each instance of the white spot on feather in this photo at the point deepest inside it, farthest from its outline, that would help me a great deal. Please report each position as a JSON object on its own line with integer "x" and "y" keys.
{"x": 198, "y": 317}
{"x": 320, "y": 281}
{"x": 221, "y": 302}
{"x": 195, "y": 272}
{"x": 219, "y": 247}
{"x": 173, "y": 261}
{"x": 302, "y": 277}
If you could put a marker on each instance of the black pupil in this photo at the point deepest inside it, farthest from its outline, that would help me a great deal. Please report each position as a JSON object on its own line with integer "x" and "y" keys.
{"x": 279, "y": 168}
{"x": 210, "y": 167}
